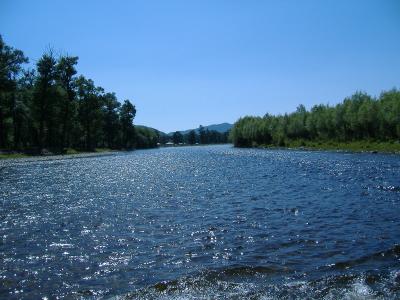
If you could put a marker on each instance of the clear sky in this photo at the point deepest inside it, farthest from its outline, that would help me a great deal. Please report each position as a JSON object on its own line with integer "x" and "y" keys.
{"x": 186, "y": 63}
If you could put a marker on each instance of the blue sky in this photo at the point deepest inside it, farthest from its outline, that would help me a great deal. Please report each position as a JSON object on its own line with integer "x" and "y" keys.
{"x": 186, "y": 63}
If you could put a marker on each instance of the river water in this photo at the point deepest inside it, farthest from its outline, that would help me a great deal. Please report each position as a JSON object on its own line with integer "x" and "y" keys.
{"x": 201, "y": 223}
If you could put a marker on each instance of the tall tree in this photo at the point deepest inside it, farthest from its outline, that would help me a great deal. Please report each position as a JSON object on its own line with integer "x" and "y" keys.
{"x": 192, "y": 137}
{"x": 65, "y": 76}
{"x": 177, "y": 138}
{"x": 90, "y": 99}
{"x": 23, "y": 123}
{"x": 127, "y": 114}
{"x": 111, "y": 120}
{"x": 44, "y": 96}
{"x": 11, "y": 61}
{"x": 202, "y": 135}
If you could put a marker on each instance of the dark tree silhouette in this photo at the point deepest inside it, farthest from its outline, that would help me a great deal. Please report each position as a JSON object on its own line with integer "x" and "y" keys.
{"x": 177, "y": 137}
{"x": 191, "y": 137}
{"x": 54, "y": 109}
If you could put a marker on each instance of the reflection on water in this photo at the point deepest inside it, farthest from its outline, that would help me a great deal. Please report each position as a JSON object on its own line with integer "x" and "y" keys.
{"x": 201, "y": 222}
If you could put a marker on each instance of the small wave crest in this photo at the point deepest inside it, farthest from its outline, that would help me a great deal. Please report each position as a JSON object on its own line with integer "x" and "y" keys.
{"x": 388, "y": 188}
{"x": 393, "y": 252}
{"x": 259, "y": 283}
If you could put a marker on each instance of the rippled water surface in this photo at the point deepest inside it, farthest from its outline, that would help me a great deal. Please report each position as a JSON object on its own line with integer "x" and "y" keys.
{"x": 201, "y": 223}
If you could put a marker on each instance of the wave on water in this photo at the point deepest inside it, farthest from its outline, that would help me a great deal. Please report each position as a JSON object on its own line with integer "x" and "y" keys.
{"x": 390, "y": 254}
{"x": 195, "y": 223}
{"x": 389, "y": 188}
{"x": 272, "y": 283}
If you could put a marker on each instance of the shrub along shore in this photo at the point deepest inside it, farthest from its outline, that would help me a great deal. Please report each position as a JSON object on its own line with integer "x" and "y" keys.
{"x": 359, "y": 123}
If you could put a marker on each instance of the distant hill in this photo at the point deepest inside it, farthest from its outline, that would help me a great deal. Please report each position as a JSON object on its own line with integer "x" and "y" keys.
{"x": 223, "y": 127}
{"x": 150, "y": 128}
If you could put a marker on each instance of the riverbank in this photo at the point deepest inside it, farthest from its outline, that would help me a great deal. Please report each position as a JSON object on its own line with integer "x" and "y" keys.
{"x": 359, "y": 146}
{"x": 70, "y": 153}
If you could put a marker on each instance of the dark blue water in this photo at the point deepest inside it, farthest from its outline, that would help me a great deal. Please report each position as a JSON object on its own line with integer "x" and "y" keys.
{"x": 201, "y": 223}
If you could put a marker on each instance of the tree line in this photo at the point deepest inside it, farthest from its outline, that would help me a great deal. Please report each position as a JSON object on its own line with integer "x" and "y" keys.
{"x": 204, "y": 136}
{"x": 51, "y": 107}
{"x": 360, "y": 117}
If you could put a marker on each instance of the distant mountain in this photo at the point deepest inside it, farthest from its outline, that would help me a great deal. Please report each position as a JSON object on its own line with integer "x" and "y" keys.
{"x": 151, "y": 128}
{"x": 223, "y": 127}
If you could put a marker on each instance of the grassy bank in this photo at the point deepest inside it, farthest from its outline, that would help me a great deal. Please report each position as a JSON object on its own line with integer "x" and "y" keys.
{"x": 358, "y": 146}
{"x": 13, "y": 155}
{"x": 69, "y": 151}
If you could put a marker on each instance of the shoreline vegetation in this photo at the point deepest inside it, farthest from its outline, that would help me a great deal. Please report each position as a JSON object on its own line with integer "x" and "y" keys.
{"x": 50, "y": 109}
{"x": 70, "y": 153}
{"x": 361, "y": 123}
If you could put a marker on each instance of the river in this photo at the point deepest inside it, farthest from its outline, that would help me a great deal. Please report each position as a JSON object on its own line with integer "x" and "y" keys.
{"x": 201, "y": 223}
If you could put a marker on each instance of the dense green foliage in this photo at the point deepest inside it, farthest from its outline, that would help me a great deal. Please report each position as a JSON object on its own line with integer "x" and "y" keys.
{"x": 192, "y": 137}
{"x": 212, "y": 136}
{"x": 52, "y": 108}
{"x": 177, "y": 137}
{"x": 358, "y": 118}
{"x": 201, "y": 135}
{"x": 146, "y": 137}
{"x": 205, "y": 136}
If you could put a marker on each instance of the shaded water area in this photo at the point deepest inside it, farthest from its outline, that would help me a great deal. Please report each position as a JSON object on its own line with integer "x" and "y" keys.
{"x": 201, "y": 223}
